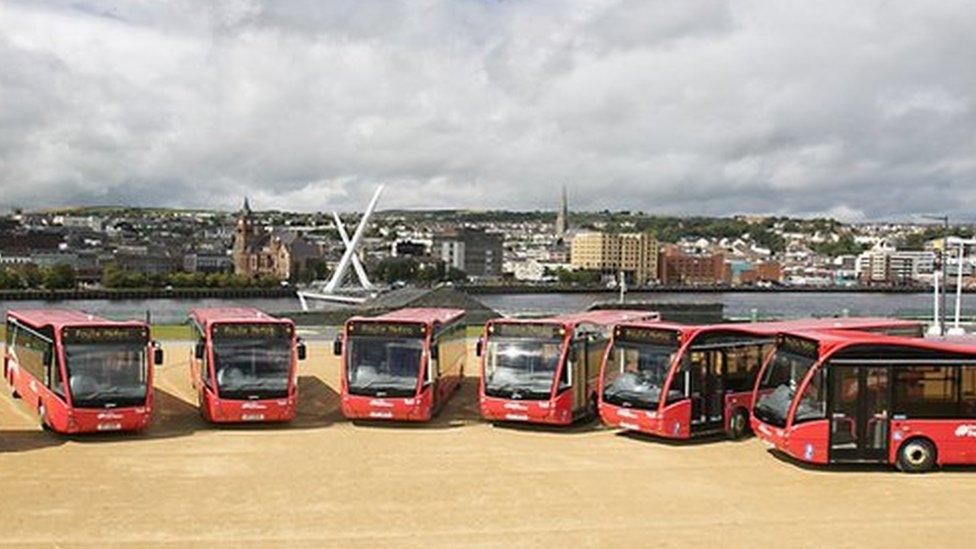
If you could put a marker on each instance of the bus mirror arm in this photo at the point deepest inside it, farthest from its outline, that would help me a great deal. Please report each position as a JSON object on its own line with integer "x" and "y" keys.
{"x": 198, "y": 351}
{"x": 301, "y": 349}
{"x": 337, "y": 346}
{"x": 479, "y": 347}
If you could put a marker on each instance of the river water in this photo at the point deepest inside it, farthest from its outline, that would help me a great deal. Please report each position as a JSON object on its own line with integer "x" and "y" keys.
{"x": 737, "y": 305}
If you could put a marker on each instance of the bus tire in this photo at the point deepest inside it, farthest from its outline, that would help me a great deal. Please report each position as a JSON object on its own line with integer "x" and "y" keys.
{"x": 592, "y": 410}
{"x": 916, "y": 455}
{"x": 739, "y": 424}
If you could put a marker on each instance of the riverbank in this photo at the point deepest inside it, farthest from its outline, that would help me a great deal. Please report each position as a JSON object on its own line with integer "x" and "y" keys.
{"x": 147, "y": 293}
{"x": 472, "y": 289}
{"x": 562, "y": 289}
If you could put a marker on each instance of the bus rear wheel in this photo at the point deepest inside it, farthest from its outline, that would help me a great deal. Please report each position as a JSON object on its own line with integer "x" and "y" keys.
{"x": 739, "y": 424}
{"x": 916, "y": 456}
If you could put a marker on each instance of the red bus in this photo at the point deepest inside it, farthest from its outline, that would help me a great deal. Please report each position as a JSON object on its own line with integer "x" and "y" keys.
{"x": 851, "y": 397}
{"x": 678, "y": 381}
{"x": 79, "y": 372}
{"x": 244, "y": 365}
{"x": 546, "y": 370}
{"x": 401, "y": 366}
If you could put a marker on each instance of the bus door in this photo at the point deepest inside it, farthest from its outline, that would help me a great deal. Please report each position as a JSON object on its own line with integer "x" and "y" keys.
{"x": 860, "y": 405}
{"x": 707, "y": 390}
{"x": 578, "y": 372}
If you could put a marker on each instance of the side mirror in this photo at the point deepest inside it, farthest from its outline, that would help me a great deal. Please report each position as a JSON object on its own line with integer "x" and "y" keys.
{"x": 157, "y": 353}
{"x": 337, "y": 346}
{"x": 435, "y": 351}
{"x": 198, "y": 351}
{"x": 479, "y": 347}
{"x": 571, "y": 355}
{"x": 301, "y": 350}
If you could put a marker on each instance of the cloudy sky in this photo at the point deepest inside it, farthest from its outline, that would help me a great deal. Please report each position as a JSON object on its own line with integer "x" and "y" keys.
{"x": 854, "y": 109}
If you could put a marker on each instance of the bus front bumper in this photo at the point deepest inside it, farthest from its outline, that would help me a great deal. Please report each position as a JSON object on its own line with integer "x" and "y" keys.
{"x": 81, "y": 420}
{"x": 630, "y": 419}
{"x": 546, "y": 412}
{"x": 387, "y": 409}
{"x": 253, "y": 411}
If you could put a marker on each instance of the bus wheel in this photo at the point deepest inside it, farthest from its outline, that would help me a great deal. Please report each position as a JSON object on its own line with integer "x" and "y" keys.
{"x": 739, "y": 424}
{"x": 916, "y": 456}
{"x": 591, "y": 407}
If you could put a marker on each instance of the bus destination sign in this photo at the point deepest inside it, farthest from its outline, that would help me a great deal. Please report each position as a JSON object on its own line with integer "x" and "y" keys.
{"x": 387, "y": 329}
{"x": 252, "y": 330}
{"x": 105, "y": 334}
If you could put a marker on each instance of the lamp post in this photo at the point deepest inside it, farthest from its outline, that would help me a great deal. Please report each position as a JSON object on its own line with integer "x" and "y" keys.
{"x": 945, "y": 272}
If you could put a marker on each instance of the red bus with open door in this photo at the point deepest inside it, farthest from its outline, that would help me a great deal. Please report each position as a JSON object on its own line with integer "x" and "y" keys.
{"x": 79, "y": 372}
{"x": 854, "y": 397}
{"x": 401, "y": 366}
{"x": 244, "y": 365}
{"x": 677, "y": 381}
{"x": 546, "y": 370}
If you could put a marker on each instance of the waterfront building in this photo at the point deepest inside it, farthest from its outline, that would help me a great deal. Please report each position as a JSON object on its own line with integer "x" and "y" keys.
{"x": 634, "y": 254}
{"x": 885, "y": 264}
{"x": 692, "y": 268}
{"x": 480, "y": 254}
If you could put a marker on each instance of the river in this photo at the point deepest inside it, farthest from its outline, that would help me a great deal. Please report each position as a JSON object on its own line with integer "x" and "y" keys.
{"x": 737, "y": 305}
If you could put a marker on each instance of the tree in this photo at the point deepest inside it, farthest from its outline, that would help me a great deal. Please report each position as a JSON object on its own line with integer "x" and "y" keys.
{"x": 59, "y": 277}
{"x": 10, "y": 280}
{"x": 397, "y": 269}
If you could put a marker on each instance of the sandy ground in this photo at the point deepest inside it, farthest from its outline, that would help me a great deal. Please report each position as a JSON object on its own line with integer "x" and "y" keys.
{"x": 324, "y": 481}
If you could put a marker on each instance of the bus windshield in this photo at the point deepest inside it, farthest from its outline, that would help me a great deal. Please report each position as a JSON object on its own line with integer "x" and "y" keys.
{"x": 106, "y": 366}
{"x": 384, "y": 366}
{"x": 779, "y": 384}
{"x": 635, "y": 374}
{"x": 252, "y": 361}
{"x": 521, "y": 367}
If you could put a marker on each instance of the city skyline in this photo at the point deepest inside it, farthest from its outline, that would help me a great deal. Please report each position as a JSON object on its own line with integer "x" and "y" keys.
{"x": 858, "y": 112}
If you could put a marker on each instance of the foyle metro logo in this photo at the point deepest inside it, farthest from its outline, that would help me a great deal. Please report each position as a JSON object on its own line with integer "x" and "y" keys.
{"x": 966, "y": 431}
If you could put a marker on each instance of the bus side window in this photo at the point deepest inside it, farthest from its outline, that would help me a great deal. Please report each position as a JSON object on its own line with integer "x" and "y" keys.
{"x": 56, "y": 382}
{"x": 679, "y": 383}
{"x": 967, "y": 406}
{"x": 595, "y": 350}
{"x": 11, "y": 327}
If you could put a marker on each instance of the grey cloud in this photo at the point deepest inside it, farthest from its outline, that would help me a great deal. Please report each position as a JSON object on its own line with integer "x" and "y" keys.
{"x": 702, "y": 107}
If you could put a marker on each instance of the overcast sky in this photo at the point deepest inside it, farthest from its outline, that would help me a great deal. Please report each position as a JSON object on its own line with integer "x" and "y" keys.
{"x": 859, "y": 110}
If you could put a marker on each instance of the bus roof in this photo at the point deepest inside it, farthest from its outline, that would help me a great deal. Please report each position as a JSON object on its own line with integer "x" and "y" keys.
{"x": 415, "y": 314}
{"x": 831, "y": 341}
{"x": 58, "y": 318}
{"x": 233, "y": 315}
{"x": 605, "y": 316}
{"x": 774, "y": 328}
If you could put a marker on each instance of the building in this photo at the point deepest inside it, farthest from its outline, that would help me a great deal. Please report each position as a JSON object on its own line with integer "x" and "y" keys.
{"x": 284, "y": 255}
{"x": 207, "y": 262}
{"x": 634, "y": 254}
{"x": 678, "y": 267}
{"x": 884, "y": 264}
{"x": 478, "y": 253}
{"x": 765, "y": 272}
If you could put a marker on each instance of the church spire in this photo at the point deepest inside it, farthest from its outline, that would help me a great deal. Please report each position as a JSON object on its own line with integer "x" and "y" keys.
{"x": 562, "y": 216}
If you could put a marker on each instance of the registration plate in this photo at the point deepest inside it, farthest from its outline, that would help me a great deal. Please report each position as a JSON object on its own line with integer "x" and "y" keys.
{"x": 516, "y": 417}
{"x": 253, "y": 417}
{"x": 109, "y": 426}
{"x": 381, "y": 415}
